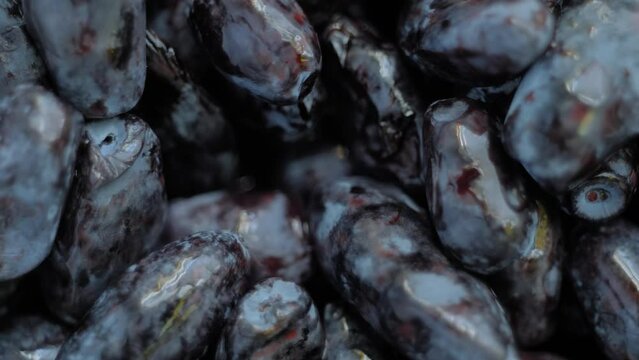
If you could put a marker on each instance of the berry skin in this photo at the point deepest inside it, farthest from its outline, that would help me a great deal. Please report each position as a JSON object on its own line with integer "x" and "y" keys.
{"x": 580, "y": 102}
{"x": 530, "y": 287}
{"x": 301, "y": 174}
{"x": 275, "y": 320}
{"x": 332, "y": 200}
{"x": 20, "y": 62}
{"x": 169, "y": 19}
{"x": 114, "y": 215}
{"x": 167, "y": 306}
{"x": 603, "y": 270}
{"x": 476, "y": 42}
{"x": 481, "y": 205}
{"x": 93, "y": 49}
{"x": 267, "y": 48}
{"x": 346, "y": 337}
{"x": 385, "y": 266}
{"x": 269, "y": 222}
{"x": 32, "y": 337}
{"x": 40, "y": 136}
{"x": 384, "y": 111}
{"x": 379, "y": 254}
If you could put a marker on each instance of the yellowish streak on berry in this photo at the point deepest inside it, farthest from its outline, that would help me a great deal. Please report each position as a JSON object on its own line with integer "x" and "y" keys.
{"x": 177, "y": 316}
{"x": 586, "y": 122}
{"x": 543, "y": 228}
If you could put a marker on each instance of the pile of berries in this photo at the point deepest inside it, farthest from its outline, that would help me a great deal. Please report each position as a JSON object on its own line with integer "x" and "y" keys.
{"x": 319, "y": 179}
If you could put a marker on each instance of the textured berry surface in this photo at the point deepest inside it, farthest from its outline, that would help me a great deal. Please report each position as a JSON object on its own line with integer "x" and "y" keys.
{"x": 39, "y": 139}
{"x": 269, "y": 222}
{"x": 604, "y": 273}
{"x": 275, "y": 320}
{"x": 332, "y": 200}
{"x": 319, "y": 179}
{"x": 267, "y": 47}
{"x": 379, "y": 255}
{"x": 578, "y": 104}
{"x": 19, "y": 60}
{"x": 31, "y": 337}
{"x": 170, "y": 20}
{"x": 186, "y": 112}
{"x": 167, "y": 306}
{"x": 385, "y": 265}
{"x": 303, "y": 173}
{"x": 476, "y": 41}
{"x": 469, "y": 177}
{"x": 530, "y": 287}
{"x": 106, "y": 227}
{"x": 346, "y": 337}
{"x": 385, "y": 108}
{"x": 94, "y": 50}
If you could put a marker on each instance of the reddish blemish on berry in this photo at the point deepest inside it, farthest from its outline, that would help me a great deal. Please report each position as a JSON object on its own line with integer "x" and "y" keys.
{"x": 477, "y": 123}
{"x": 302, "y": 59}
{"x": 86, "y": 40}
{"x": 356, "y": 202}
{"x": 248, "y": 201}
{"x": 394, "y": 220}
{"x": 406, "y": 330}
{"x": 466, "y": 179}
{"x": 98, "y": 107}
{"x": 592, "y": 196}
{"x": 530, "y": 97}
{"x": 291, "y": 335}
{"x": 299, "y": 17}
{"x": 579, "y": 112}
{"x": 272, "y": 264}
{"x": 540, "y": 18}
